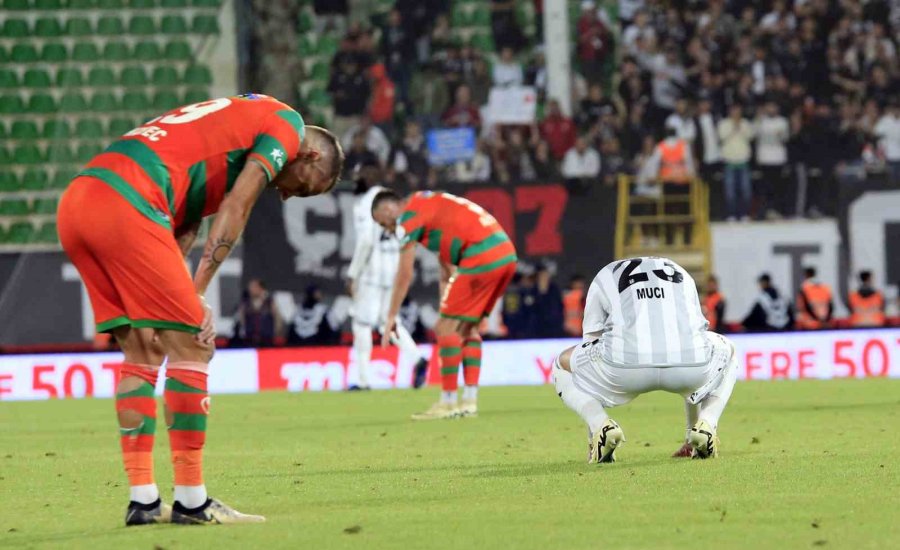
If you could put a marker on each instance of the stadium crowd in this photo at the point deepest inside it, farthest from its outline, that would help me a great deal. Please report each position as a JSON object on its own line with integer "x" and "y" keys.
{"x": 771, "y": 98}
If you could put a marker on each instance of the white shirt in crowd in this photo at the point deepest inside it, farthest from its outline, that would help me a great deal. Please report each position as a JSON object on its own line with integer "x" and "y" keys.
{"x": 888, "y": 131}
{"x": 376, "y": 141}
{"x": 735, "y": 140}
{"x": 683, "y": 125}
{"x": 581, "y": 165}
{"x": 476, "y": 169}
{"x": 772, "y": 134}
{"x": 710, "y": 138}
{"x": 646, "y": 313}
{"x": 508, "y": 74}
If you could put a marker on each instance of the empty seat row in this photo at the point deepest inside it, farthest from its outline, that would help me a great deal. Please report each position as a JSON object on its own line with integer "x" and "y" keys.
{"x": 84, "y": 128}
{"x": 75, "y": 102}
{"x": 21, "y": 207}
{"x": 37, "y": 179}
{"x": 109, "y": 25}
{"x": 23, "y": 5}
{"x": 56, "y": 152}
{"x": 24, "y": 232}
{"x": 102, "y": 76}
{"x": 89, "y": 52}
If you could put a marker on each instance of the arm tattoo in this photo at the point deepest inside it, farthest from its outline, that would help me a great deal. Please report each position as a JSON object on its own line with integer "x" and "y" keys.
{"x": 218, "y": 250}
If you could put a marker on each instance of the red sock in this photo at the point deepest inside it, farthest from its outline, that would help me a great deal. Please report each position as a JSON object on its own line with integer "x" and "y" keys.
{"x": 187, "y": 405}
{"x": 450, "y": 354}
{"x": 471, "y": 355}
{"x": 137, "y": 410}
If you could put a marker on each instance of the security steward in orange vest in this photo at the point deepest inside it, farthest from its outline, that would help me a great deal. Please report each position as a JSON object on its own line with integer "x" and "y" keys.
{"x": 676, "y": 163}
{"x": 814, "y": 304}
{"x": 714, "y": 305}
{"x": 573, "y": 306}
{"x": 866, "y": 304}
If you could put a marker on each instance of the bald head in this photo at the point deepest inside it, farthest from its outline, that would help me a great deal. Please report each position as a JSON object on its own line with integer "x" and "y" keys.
{"x": 316, "y": 169}
{"x": 330, "y": 151}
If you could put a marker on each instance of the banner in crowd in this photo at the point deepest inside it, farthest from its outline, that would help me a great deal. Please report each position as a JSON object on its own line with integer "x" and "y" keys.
{"x": 791, "y": 356}
{"x": 513, "y": 105}
{"x": 449, "y": 145}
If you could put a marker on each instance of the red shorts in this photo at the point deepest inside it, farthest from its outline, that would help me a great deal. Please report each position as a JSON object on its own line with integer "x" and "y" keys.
{"x": 131, "y": 265}
{"x": 470, "y": 297}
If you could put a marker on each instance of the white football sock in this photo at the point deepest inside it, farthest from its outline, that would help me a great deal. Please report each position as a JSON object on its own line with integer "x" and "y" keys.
{"x": 589, "y": 409}
{"x": 404, "y": 341}
{"x": 448, "y": 397}
{"x": 190, "y": 496}
{"x": 144, "y": 494}
{"x": 362, "y": 349}
{"x": 470, "y": 393}
{"x": 712, "y": 407}
{"x": 691, "y": 413}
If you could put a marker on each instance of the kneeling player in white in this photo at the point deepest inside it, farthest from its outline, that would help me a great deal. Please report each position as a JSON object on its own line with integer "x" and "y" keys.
{"x": 644, "y": 331}
{"x": 371, "y": 278}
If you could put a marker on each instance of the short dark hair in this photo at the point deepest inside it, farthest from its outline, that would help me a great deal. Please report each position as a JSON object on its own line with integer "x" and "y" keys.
{"x": 764, "y": 278}
{"x": 327, "y": 139}
{"x": 384, "y": 196}
{"x": 809, "y": 272}
{"x": 865, "y": 276}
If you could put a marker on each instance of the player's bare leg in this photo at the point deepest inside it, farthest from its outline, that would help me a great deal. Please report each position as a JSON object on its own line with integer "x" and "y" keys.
{"x": 604, "y": 434}
{"x": 187, "y": 406}
{"x": 471, "y": 356}
{"x": 450, "y": 352}
{"x": 136, "y": 411}
{"x": 362, "y": 349}
{"x": 692, "y": 414}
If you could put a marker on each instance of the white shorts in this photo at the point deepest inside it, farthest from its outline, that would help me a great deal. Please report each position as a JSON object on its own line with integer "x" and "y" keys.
{"x": 370, "y": 305}
{"x": 614, "y": 386}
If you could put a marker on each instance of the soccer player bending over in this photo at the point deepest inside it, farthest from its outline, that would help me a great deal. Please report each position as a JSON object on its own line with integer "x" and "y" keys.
{"x": 477, "y": 262}
{"x": 127, "y": 221}
{"x": 644, "y": 330}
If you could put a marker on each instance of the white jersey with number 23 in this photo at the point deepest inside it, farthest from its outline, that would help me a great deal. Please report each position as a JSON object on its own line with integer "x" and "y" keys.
{"x": 646, "y": 313}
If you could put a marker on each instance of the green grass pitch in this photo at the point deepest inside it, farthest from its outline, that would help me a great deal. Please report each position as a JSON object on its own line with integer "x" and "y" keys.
{"x": 805, "y": 465}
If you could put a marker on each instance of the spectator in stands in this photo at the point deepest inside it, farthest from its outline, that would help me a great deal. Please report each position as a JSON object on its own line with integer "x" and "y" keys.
{"x": 349, "y": 89}
{"x": 330, "y": 15}
{"x": 258, "y": 323}
{"x": 513, "y": 157}
{"x": 398, "y": 52}
{"x": 480, "y": 81}
{"x": 504, "y": 26}
{"x": 888, "y": 132}
{"x": 669, "y": 79}
{"x": 593, "y": 108}
{"x": 573, "y": 305}
{"x": 736, "y": 133}
{"x": 771, "y": 312}
{"x": 674, "y": 161}
{"x": 359, "y": 156}
{"x": 429, "y": 95}
{"x": 614, "y": 162}
{"x": 707, "y": 142}
{"x": 581, "y": 165}
{"x": 815, "y": 306}
{"x": 381, "y": 106}
{"x": 507, "y": 71}
{"x": 512, "y": 307}
{"x": 441, "y": 35}
{"x": 452, "y": 68}
{"x": 682, "y": 122}
{"x": 408, "y": 162}
{"x": 478, "y": 168}
{"x": 546, "y": 168}
{"x": 536, "y": 73}
{"x": 866, "y": 303}
{"x": 527, "y": 318}
{"x": 594, "y": 42}
{"x": 311, "y": 325}
{"x": 374, "y": 138}
{"x": 639, "y": 30}
{"x": 772, "y": 133}
{"x": 463, "y": 112}
{"x": 714, "y": 305}
{"x": 548, "y": 304}
{"x": 558, "y": 130}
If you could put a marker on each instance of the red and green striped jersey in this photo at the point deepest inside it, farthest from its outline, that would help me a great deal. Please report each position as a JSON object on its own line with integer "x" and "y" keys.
{"x": 459, "y": 231}
{"x": 176, "y": 168}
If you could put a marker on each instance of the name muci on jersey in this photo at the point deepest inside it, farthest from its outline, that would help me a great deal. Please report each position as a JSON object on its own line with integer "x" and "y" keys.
{"x": 647, "y": 293}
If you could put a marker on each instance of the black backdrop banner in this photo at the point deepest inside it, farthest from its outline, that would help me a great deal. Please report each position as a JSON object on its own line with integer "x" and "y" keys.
{"x": 294, "y": 244}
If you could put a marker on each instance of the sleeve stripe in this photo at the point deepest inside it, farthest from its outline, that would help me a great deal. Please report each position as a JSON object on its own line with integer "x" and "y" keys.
{"x": 263, "y": 163}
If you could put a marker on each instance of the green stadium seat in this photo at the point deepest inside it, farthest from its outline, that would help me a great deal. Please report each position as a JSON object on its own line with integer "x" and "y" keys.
{"x": 178, "y": 50}
{"x": 23, "y": 53}
{"x": 11, "y": 104}
{"x": 54, "y": 52}
{"x": 24, "y": 129}
{"x": 306, "y": 47}
{"x": 49, "y": 4}
{"x": 135, "y": 101}
{"x": 481, "y": 17}
{"x": 82, "y": 4}
{"x": 56, "y": 129}
{"x": 111, "y": 4}
{"x": 89, "y": 128}
{"x": 119, "y": 126}
{"x": 62, "y": 177}
{"x": 19, "y": 233}
{"x": 14, "y": 207}
{"x": 47, "y": 233}
{"x": 195, "y": 96}
{"x": 318, "y": 97}
{"x": 142, "y": 4}
{"x": 79, "y": 26}
{"x": 35, "y": 179}
{"x": 205, "y": 24}
{"x": 44, "y": 206}
{"x": 5, "y": 157}
{"x": 87, "y": 151}
{"x": 460, "y": 16}
{"x": 116, "y": 51}
{"x": 133, "y": 76}
{"x": 85, "y": 52}
{"x": 147, "y": 51}
{"x": 173, "y": 24}
{"x": 327, "y": 46}
{"x": 69, "y": 77}
{"x": 60, "y": 152}
{"x": 47, "y": 27}
{"x": 207, "y": 3}
{"x": 173, "y": 3}
{"x": 73, "y": 102}
{"x": 198, "y": 75}
{"x": 104, "y": 102}
{"x": 141, "y": 25}
{"x": 100, "y": 77}
{"x": 164, "y": 75}
{"x": 27, "y": 154}
{"x": 9, "y": 79}
{"x": 4, "y": 54}
{"x": 14, "y": 28}
{"x": 110, "y": 25}
{"x": 8, "y": 182}
{"x": 3, "y": 133}
{"x": 16, "y": 5}
{"x": 483, "y": 42}
{"x": 36, "y": 78}
{"x": 304, "y": 22}
{"x": 165, "y": 100}
{"x": 320, "y": 71}
{"x": 41, "y": 104}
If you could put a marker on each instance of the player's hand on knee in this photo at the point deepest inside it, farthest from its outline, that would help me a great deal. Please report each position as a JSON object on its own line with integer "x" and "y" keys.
{"x": 207, "y": 334}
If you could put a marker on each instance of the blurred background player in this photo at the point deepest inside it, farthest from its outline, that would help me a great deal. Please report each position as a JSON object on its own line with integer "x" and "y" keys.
{"x": 128, "y": 219}
{"x": 370, "y": 279}
{"x": 644, "y": 331}
{"x": 478, "y": 260}
{"x": 866, "y": 303}
{"x": 771, "y": 312}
